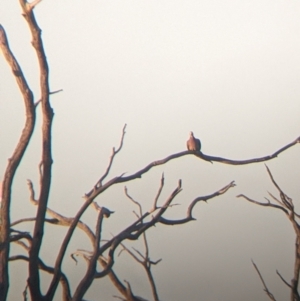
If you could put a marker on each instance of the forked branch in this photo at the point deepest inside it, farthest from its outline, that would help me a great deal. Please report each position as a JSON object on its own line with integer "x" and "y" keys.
{"x": 285, "y": 205}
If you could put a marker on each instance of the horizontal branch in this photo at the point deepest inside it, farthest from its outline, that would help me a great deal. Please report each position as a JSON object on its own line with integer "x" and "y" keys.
{"x": 268, "y": 204}
{"x": 32, "y": 219}
{"x": 100, "y": 188}
{"x": 209, "y": 159}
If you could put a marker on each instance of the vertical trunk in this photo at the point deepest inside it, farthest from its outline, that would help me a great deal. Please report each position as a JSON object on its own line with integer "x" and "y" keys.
{"x": 13, "y": 162}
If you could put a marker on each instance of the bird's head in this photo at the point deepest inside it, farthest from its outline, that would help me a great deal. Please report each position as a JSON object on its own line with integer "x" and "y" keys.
{"x": 191, "y": 134}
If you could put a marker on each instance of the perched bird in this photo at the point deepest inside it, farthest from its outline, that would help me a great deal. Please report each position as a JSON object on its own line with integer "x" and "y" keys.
{"x": 193, "y": 143}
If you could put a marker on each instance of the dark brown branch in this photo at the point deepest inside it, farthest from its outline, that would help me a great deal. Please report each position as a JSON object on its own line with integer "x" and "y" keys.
{"x": 113, "y": 277}
{"x": 82, "y": 254}
{"x": 98, "y": 189}
{"x": 132, "y": 254}
{"x": 133, "y": 232}
{"x": 45, "y": 180}
{"x": 270, "y": 295}
{"x": 283, "y": 280}
{"x": 133, "y": 201}
{"x": 207, "y": 158}
{"x": 14, "y": 161}
{"x": 255, "y": 160}
{"x": 189, "y": 216}
{"x": 63, "y": 280}
{"x": 114, "y": 153}
{"x": 275, "y": 199}
{"x": 22, "y": 244}
{"x": 70, "y": 232}
{"x": 286, "y": 205}
{"x": 286, "y": 201}
{"x": 59, "y": 219}
{"x": 295, "y": 281}
{"x": 32, "y": 219}
{"x": 25, "y": 293}
{"x": 137, "y": 228}
{"x": 24, "y": 235}
{"x": 89, "y": 199}
{"x": 91, "y": 270}
{"x": 146, "y": 262}
{"x": 162, "y": 182}
{"x": 269, "y": 204}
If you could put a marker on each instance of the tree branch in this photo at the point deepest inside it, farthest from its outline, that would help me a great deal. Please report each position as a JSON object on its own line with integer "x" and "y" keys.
{"x": 91, "y": 270}
{"x": 207, "y": 158}
{"x": 283, "y": 280}
{"x": 189, "y": 216}
{"x": 98, "y": 189}
{"x": 66, "y": 293}
{"x": 287, "y": 207}
{"x": 268, "y": 204}
{"x": 114, "y": 153}
{"x": 46, "y": 163}
{"x": 13, "y": 162}
{"x": 270, "y": 295}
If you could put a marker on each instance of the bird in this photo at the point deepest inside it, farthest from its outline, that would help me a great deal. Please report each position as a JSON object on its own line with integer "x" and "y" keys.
{"x": 193, "y": 144}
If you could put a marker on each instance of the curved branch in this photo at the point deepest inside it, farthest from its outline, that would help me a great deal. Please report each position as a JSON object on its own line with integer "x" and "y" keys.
{"x": 98, "y": 189}
{"x": 63, "y": 279}
{"x": 133, "y": 232}
{"x": 146, "y": 262}
{"x": 269, "y": 204}
{"x": 58, "y": 219}
{"x": 14, "y": 161}
{"x": 189, "y": 216}
{"x": 113, "y": 277}
{"x": 287, "y": 207}
{"x": 91, "y": 270}
{"x": 208, "y": 158}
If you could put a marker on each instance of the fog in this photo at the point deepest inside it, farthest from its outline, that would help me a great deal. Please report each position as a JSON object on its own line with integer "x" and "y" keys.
{"x": 227, "y": 70}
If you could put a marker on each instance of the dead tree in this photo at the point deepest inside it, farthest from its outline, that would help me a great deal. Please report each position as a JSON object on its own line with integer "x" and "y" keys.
{"x": 284, "y": 203}
{"x": 103, "y": 252}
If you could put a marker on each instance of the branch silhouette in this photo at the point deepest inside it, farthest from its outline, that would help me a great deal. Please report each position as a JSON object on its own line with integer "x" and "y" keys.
{"x": 286, "y": 206}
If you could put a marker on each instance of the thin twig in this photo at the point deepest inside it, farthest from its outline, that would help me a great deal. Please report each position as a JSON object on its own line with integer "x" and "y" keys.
{"x": 162, "y": 182}
{"x": 270, "y": 295}
{"x": 114, "y": 153}
{"x": 283, "y": 280}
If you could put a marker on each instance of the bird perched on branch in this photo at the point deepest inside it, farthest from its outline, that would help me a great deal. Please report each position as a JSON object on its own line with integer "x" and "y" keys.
{"x": 193, "y": 143}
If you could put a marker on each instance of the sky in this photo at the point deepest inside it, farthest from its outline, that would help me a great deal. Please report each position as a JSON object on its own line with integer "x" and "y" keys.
{"x": 227, "y": 70}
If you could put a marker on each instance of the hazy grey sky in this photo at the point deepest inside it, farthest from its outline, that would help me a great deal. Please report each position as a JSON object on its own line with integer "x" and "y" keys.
{"x": 227, "y": 70}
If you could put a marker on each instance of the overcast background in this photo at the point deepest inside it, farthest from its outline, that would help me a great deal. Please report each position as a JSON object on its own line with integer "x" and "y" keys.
{"x": 227, "y": 70}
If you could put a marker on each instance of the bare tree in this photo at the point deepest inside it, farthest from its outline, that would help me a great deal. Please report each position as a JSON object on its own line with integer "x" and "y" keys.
{"x": 102, "y": 251}
{"x": 284, "y": 203}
